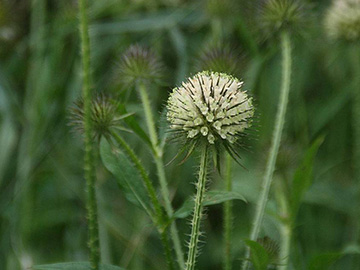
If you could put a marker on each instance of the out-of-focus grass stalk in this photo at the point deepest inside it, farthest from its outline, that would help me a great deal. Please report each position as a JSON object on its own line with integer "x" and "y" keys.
{"x": 285, "y": 226}
{"x": 195, "y": 224}
{"x": 158, "y": 157}
{"x": 279, "y": 124}
{"x": 228, "y": 215}
{"x": 355, "y": 56}
{"x": 159, "y": 215}
{"x": 89, "y": 147}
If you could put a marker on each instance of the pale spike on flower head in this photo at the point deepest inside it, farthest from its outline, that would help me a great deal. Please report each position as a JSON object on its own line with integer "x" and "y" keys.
{"x": 342, "y": 20}
{"x": 212, "y": 108}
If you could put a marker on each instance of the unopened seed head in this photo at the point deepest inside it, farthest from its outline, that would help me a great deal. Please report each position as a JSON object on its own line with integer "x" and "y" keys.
{"x": 279, "y": 15}
{"x": 210, "y": 106}
{"x": 139, "y": 64}
{"x": 342, "y": 20}
{"x": 104, "y": 115}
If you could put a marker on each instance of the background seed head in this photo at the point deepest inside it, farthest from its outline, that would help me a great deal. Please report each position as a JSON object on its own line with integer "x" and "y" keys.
{"x": 279, "y": 15}
{"x": 342, "y": 20}
{"x": 104, "y": 115}
{"x": 140, "y": 64}
{"x": 211, "y": 107}
{"x": 219, "y": 59}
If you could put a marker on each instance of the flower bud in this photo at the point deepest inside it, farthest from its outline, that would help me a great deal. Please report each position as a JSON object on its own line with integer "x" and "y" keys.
{"x": 104, "y": 115}
{"x": 139, "y": 64}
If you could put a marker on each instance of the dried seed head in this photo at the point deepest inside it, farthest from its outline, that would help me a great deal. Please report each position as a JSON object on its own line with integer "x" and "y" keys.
{"x": 279, "y": 15}
{"x": 219, "y": 59}
{"x": 139, "y": 64}
{"x": 210, "y": 107}
{"x": 342, "y": 20}
{"x": 104, "y": 115}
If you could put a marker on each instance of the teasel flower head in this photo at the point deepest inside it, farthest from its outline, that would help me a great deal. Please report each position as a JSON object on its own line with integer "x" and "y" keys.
{"x": 210, "y": 108}
{"x": 342, "y": 20}
{"x": 283, "y": 15}
{"x": 139, "y": 64}
{"x": 219, "y": 59}
{"x": 105, "y": 116}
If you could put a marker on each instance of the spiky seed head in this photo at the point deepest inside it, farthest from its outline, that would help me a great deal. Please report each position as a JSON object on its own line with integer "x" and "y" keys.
{"x": 212, "y": 108}
{"x": 104, "y": 115}
{"x": 219, "y": 59}
{"x": 279, "y": 15}
{"x": 342, "y": 20}
{"x": 139, "y": 64}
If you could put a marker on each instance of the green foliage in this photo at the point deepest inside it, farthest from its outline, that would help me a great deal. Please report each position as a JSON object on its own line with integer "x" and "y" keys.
{"x": 212, "y": 197}
{"x": 126, "y": 176}
{"x": 73, "y": 266}
{"x": 42, "y": 202}
{"x": 258, "y": 255}
{"x": 303, "y": 176}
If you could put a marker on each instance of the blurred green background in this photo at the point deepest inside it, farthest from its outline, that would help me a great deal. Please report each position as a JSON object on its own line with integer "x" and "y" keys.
{"x": 42, "y": 190}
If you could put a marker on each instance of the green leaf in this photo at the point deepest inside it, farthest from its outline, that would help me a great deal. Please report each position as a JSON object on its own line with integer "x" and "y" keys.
{"x": 258, "y": 255}
{"x": 73, "y": 266}
{"x": 211, "y": 197}
{"x": 303, "y": 176}
{"x": 126, "y": 175}
{"x": 134, "y": 126}
{"x": 324, "y": 261}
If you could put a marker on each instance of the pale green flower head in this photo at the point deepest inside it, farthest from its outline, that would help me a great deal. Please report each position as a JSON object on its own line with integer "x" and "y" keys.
{"x": 342, "y": 20}
{"x": 210, "y": 108}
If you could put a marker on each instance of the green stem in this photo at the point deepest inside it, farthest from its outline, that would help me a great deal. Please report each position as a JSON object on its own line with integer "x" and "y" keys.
{"x": 279, "y": 124}
{"x": 160, "y": 218}
{"x": 228, "y": 216}
{"x": 157, "y": 154}
{"x": 355, "y": 56}
{"x": 195, "y": 228}
{"x": 89, "y": 148}
{"x": 285, "y": 226}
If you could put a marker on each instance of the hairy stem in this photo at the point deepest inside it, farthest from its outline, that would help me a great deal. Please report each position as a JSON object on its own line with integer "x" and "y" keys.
{"x": 160, "y": 218}
{"x": 279, "y": 124}
{"x": 285, "y": 226}
{"x": 157, "y": 154}
{"x": 195, "y": 228}
{"x": 89, "y": 148}
{"x": 228, "y": 216}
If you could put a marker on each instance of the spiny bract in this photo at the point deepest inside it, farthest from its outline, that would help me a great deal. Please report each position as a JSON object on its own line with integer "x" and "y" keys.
{"x": 343, "y": 20}
{"x": 210, "y": 106}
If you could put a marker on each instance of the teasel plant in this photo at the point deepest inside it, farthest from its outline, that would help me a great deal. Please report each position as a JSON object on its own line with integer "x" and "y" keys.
{"x": 89, "y": 166}
{"x": 279, "y": 19}
{"x": 342, "y": 25}
{"x": 107, "y": 122}
{"x": 222, "y": 59}
{"x": 208, "y": 113}
{"x": 141, "y": 69}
